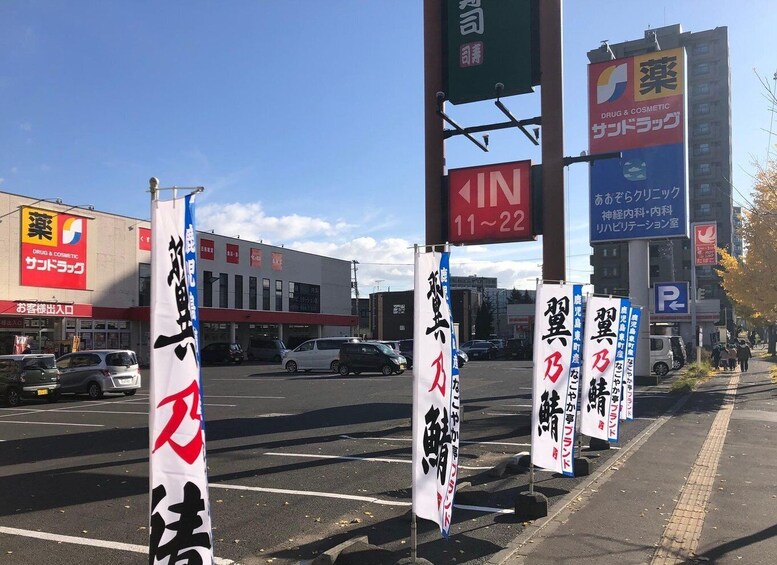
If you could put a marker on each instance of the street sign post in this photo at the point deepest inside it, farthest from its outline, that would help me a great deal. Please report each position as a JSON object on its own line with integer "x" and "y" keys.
{"x": 490, "y": 204}
{"x": 671, "y": 298}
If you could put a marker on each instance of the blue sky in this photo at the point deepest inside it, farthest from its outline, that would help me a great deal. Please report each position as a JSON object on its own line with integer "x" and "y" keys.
{"x": 304, "y": 119}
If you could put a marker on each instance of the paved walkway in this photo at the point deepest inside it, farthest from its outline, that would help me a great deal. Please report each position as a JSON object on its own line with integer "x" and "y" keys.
{"x": 697, "y": 486}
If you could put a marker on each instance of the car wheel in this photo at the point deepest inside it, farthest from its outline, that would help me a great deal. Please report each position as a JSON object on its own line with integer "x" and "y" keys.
{"x": 334, "y": 366}
{"x": 277, "y": 359}
{"x": 676, "y": 364}
{"x": 386, "y": 370}
{"x": 129, "y": 393}
{"x": 94, "y": 391}
{"x": 13, "y": 398}
{"x": 53, "y": 397}
{"x": 661, "y": 369}
{"x": 291, "y": 367}
{"x": 343, "y": 369}
{"x": 400, "y": 371}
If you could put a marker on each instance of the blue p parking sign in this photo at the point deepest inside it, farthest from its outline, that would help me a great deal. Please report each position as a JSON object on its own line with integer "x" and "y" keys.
{"x": 671, "y": 298}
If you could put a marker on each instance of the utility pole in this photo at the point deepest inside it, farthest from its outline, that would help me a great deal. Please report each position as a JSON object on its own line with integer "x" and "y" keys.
{"x": 433, "y": 123}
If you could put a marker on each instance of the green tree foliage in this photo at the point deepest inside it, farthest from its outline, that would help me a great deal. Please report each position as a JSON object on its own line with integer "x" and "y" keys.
{"x": 484, "y": 320}
{"x": 514, "y": 297}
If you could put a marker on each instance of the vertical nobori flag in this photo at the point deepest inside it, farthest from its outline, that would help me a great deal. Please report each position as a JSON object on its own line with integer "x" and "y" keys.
{"x": 179, "y": 507}
{"x": 632, "y": 335}
{"x": 599, "y": 343}
{"x": 436, "y": 394}
{"x": 557, "y": 344}
{"x": 616, "y": 392}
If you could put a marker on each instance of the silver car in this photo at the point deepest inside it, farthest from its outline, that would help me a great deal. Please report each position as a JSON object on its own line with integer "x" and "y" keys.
{"x": 99, "y": 371}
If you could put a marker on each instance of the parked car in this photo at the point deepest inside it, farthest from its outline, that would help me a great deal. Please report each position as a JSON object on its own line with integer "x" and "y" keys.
{"x": 462, "y": 357}
{"x": 358, "y": 357}
{"x": 28, "y": 376}
{"x": 675, "y": 343}
{"x": 99, "y": 371}
{"x": 661, "y": 356}
{"x": 482, "y": 350}
{"x": 320, "y": 354}
{"x": 465, "y": 347}
{"x": 222, "y": 352}
{"x": 500, "y": 346}
{"x": 518, "y": 348}
{"x": 406, "y": 349}
{"x": 266, "y": 349}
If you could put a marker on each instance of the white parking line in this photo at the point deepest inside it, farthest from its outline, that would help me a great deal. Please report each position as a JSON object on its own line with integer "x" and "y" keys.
{"x": 373, "y": 438}
{"x": 370, "y": 459}
{"x": 272, "y": 415}
{"x": 504, "y": 414}
{"x": 371, "y": 499}
{"x": 518, "y": 405}
{"x": 51, "y": 423}
{"x": 88, "y": 541}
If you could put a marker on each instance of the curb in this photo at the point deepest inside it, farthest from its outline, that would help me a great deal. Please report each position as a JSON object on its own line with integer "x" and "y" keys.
{"x": 544, "y": 526}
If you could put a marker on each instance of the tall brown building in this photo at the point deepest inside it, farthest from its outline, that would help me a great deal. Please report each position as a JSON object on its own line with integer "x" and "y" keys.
{"x": 709, "y": 163}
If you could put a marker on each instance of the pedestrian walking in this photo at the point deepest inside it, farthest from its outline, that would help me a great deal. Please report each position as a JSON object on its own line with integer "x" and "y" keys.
{"x": 743, "y": 355}
{"x": 715, "y": 355}
{"x": 723, "y": 356}
{"x": 732, "y": 357}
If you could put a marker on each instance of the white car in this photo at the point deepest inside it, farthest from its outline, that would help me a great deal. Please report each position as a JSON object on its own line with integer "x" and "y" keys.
{"x": 319, "y": 354}
{"x": 661, "y": 356}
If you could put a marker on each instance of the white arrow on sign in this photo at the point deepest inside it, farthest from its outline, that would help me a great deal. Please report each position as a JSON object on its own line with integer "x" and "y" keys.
{"x": 496, "y": 182}
{"x": 667, "y": 298}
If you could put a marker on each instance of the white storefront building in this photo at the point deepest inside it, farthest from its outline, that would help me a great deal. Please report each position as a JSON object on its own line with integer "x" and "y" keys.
{"x": 70, "y": 271}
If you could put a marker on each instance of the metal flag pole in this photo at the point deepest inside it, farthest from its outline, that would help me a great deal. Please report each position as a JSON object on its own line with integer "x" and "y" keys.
{"x": 413, "y": 522}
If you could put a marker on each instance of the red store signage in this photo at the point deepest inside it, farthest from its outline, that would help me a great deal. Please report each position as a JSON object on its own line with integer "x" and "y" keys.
{"x": 233, "y": 253}
{"x": 705, "y": 237}
{"x": 44, "y": 309}
{"x": 256, "y": 257}
{"x": 207, "y": 249}
{"x": 144, "y": 239}
{"x": 490, "y": 203}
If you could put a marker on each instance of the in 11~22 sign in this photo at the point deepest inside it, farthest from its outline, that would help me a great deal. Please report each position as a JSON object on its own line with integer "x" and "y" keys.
{"x": 490, "y": 203}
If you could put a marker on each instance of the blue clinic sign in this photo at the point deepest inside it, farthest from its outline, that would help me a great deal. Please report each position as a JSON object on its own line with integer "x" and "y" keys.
{"x": 640, "y": 196}
{"x": 671, "y": 298}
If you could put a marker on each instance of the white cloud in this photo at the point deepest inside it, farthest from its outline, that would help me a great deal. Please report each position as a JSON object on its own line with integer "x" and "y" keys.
{"x": 383, "y": 262}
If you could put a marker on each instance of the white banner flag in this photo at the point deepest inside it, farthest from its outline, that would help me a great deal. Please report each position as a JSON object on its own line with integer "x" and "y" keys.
{"x": 599, "y": 344}
{"x": 436, "y": 393}
{"x": 632, "y": 337}
{"x": 616, "y": 392}
{"x": 180, "y": 527}
{"x": 557, "y": 344}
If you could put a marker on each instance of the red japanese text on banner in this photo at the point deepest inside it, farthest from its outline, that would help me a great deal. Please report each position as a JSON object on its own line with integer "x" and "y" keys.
{"x": 632, "y": 338}
{"x": 599, "y": 342}
{"x": 436, "y": 393}
{"x": 557, "y": 343}
{"x": 180, "y": 526}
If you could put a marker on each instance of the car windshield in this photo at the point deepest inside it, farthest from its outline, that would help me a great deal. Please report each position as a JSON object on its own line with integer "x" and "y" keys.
{"x": 40, "y": 363}
{"x": 485, "y": 345}
{"x": 120, "y": 359}
{"x": 384, "y": 348}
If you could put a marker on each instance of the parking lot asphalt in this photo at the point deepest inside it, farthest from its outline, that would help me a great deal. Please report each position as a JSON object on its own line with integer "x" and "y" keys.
{"x": 297, "y": 465}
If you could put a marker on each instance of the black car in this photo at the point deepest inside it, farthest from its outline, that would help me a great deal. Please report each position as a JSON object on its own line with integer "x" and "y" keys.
{"x": 406, "y": 349}
{"x": 518, "y": 349}
{"x": 370, "y": 356}
{"x": 222, "y": 352}
{"x": 482, "y": 350}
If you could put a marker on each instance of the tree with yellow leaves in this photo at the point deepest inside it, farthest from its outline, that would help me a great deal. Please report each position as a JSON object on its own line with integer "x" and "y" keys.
{"x": 751, "y": 282}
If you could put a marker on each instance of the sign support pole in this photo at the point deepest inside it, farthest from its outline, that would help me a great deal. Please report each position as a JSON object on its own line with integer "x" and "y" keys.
{"x": 433, "y": 124}
{"x": 639, "y": 291}
{"x": 552, "y": 110}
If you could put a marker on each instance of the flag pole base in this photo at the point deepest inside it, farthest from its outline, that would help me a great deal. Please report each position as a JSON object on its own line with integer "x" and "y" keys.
{"x": 531, "y": 506}
{"x": 582, "y": 466}
{"x": 598, "y": 444}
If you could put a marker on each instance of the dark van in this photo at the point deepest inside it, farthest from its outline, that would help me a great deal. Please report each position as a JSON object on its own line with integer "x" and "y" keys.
{"x": 30, "y": 376}
{"x": 266, "y": 349}
{"x": 370, "y": 356}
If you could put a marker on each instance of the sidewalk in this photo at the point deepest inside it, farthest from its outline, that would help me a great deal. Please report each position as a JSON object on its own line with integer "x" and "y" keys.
{"x": 697, "y": 486}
